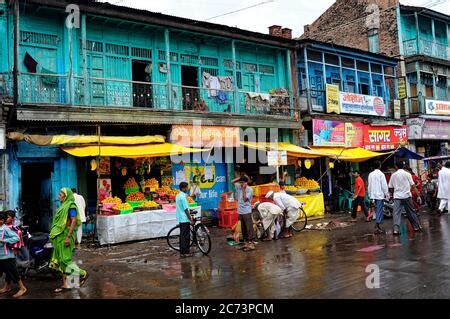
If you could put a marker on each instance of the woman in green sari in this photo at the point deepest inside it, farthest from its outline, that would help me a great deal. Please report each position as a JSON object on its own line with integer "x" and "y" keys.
{"x": 62, "y": 236}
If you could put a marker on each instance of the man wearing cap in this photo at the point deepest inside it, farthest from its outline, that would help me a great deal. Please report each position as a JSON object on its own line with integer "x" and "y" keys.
{"x": 244, "y": 195}
{"x": 269, "y": 214}
{"x": 289, "y": 205}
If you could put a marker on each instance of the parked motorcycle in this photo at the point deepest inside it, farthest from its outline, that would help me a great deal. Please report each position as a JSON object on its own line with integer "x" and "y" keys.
{"x": 36, "y": 253}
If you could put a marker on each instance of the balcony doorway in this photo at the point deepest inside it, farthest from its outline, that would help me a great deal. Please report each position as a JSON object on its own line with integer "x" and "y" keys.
{"x": 142, "y": 88}
{"x": 189, "y": 82}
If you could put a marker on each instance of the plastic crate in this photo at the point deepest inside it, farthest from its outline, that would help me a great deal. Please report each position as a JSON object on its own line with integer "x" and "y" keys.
{"x": 226, "y": 205}
{"x": 228, "y": 218}
{"x": 264, "y": 189}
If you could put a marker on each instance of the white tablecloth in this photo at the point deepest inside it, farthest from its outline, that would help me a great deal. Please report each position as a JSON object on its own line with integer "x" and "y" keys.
{"x": 136, "y": 226}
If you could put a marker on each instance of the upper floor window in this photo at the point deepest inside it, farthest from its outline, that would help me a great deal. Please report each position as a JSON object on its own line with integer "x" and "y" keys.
{"x": 426, "y": 79}
{"x": 314, "y": 56}
{"x": 331, "y": 59}
{"x": 363, "y": 66}
{"x": 348, "y": 63}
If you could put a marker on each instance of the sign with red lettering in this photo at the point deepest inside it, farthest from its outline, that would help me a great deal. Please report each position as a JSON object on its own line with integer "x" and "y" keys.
{"x": 384, "y": 138}
{"x": 437, "y": 107}
{"x": 362, "y": 104}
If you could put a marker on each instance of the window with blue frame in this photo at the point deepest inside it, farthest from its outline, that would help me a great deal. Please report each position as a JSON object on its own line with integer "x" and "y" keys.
{"x": 349, "y": 80}
{"x": 364, "y": 83}
{"x": 333, "y": 76}
{"x": 377, "y": 85}
{"x": 441, "y": 87}
{"x": 317, "y": 85}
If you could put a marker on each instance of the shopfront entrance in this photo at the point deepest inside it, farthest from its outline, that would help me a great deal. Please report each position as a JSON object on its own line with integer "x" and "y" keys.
{"x": 36, "y": 195}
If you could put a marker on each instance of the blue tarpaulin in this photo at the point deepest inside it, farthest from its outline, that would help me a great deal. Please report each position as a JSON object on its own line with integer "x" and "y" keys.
{"x": 405, "y": 153}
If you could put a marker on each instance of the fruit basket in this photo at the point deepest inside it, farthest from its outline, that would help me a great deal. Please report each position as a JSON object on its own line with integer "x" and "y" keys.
{"x": 264, "y": 189}
{"x": 125, "y": 211}
{"x": 135, "y": 204}
{"x": 194, "y": 204}
{"x": 148, "y": 205}
{"x": 128, "y": 191}
{"x": 108, "y": 205}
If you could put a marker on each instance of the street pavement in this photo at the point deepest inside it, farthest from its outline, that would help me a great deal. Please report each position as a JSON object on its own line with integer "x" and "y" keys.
{"x": 312, "y": 264}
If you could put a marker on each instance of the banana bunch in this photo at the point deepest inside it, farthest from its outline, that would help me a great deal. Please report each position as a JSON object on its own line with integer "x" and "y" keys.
{"x": 305, "y": 183}
{"x": 149, "y": 204}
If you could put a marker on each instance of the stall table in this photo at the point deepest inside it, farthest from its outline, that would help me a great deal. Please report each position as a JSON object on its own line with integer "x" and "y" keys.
{"x": 136, "y": 226}
{"x": 314, "y": 204}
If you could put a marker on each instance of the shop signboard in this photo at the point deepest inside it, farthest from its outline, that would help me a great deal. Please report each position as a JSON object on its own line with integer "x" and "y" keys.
{"x": 362, "y": 104}
{"x": 2, "y": 138}
{"x": 277, "y": 158}
{"x": 205, "y": 136}
{"x": 434, "y": 107}
{"x": 383, "y": 138}
{"x": 103, "y": 188}
{"x": 211, "y": 178}
{"x": 401, "y": 85}
{"x": 397, "y": 109}
{"x": 328, "y": 133}
{"x": 354, "y": 133}
{"x": 333, "y": 98}
{"x": 415, "y": 128}
{"x": 105, "y": 165}
{"x": 436, "y": 130}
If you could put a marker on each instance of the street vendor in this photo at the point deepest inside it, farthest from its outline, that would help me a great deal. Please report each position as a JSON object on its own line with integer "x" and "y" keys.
{"x": 290, "y": 206}
{"x": 148, "y": 194}
{"x": 269, "y": 214}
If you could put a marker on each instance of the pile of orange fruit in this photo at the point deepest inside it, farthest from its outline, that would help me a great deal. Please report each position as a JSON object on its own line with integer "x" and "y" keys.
{"x": 168, "y": 181}
{"x": 169, "y": 191}
{"x": 190, "y": 200}
{"x": 112, "y": 200}
{"x": 135, "y": 197}
{"x": 131, "y": 183}
{"x": 152, "y": 183}
{"x": 149, "y": 204}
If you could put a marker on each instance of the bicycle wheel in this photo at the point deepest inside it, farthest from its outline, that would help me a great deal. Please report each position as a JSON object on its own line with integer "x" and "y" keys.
{"x": 173, "y": 238}
{"x": 203, "y": 239}
{"x": 301, "y": 221}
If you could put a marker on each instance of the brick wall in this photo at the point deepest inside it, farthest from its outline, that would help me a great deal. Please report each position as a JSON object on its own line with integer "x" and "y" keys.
{"x": 345, "y": 23}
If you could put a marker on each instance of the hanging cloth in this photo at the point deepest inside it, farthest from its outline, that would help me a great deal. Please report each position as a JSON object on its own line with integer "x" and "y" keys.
{"x": 30, "y": 63}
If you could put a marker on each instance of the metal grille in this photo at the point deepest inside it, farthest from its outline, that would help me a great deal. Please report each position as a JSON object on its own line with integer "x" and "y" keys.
{"x": 92, "y": 46}
{"x": 162, "y": 56}
{"x": 141, "y": 53}
{"x": 38, "y": 38}
{"x": 189, "y": 59}
{"x": 228, "y": 64}
{"x": 250, "y": 67}
{"x": 266, "y": 69}
{"x": 209, "y": 61}
{"x": 117, "y": 49}
{"x": 212, "y": 71}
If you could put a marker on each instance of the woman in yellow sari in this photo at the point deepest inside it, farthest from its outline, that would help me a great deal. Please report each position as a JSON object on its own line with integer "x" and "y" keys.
{"x": 62, "y": 236}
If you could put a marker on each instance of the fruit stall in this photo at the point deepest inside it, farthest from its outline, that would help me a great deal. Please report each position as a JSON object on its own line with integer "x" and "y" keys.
{"x": 147, "y": 212}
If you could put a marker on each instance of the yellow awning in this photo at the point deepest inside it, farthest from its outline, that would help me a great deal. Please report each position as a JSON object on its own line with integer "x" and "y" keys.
{"x": 117, "y": 140}
{"x": 148, "y": 150}
{"x": 355, "y": 155}
{"x": 291, "y": 149}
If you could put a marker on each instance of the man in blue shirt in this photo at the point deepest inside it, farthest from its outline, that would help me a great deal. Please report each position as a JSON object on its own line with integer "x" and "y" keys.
{"x": 185, "y": 219}
{"x": 244, "y": 195}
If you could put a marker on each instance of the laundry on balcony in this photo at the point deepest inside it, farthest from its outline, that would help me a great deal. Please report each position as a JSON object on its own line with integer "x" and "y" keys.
{"x": 215, "y": 84}
{"x": 47, "y": 77}
{"x": 30, "y": 63}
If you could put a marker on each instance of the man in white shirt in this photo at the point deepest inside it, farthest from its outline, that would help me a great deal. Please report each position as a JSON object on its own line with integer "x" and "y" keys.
{"x": 402, "y": 183}
{"x": 288, "y": 204}
{"x": 378, "y": 190}
{"x": 444, "y": 188}
{"x": 81, "y": 205}
{"x": 269, "y": 214}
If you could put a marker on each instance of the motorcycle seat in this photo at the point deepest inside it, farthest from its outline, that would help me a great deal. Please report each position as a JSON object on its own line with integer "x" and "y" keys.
{"x": 38, "y": 238}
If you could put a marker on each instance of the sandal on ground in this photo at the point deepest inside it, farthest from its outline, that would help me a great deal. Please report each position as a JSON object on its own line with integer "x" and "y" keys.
{"x": 83, "y": 279}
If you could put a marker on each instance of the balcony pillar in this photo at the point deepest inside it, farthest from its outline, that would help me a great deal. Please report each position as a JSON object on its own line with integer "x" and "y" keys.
{"x": 434, "y": 48}
{"x": 86, "y": 80}
{"x": 235, "y": 87}
{"x": 169, "y": 77}
{"x": 289, "y": 78}
{"x": 417, "y": 32}
{"x": 308, "y": 95}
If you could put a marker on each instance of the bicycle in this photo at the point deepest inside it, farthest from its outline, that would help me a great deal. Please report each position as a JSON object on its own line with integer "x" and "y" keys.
{"x": 199, "y": 236}
{"x": 302, "y": 220}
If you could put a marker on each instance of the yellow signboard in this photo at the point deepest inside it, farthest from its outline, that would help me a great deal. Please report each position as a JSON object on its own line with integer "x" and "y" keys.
{"x": 401, "y": 85}
{"x": 333, "y": 99}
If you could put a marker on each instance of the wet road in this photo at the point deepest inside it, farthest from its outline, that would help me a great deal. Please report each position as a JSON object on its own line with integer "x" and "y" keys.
{"x": 313, "y": 264}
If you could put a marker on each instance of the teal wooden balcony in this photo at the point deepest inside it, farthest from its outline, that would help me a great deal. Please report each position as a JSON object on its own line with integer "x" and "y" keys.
{"x": 60, "y": 89}
{"x": 426, "y": 47}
